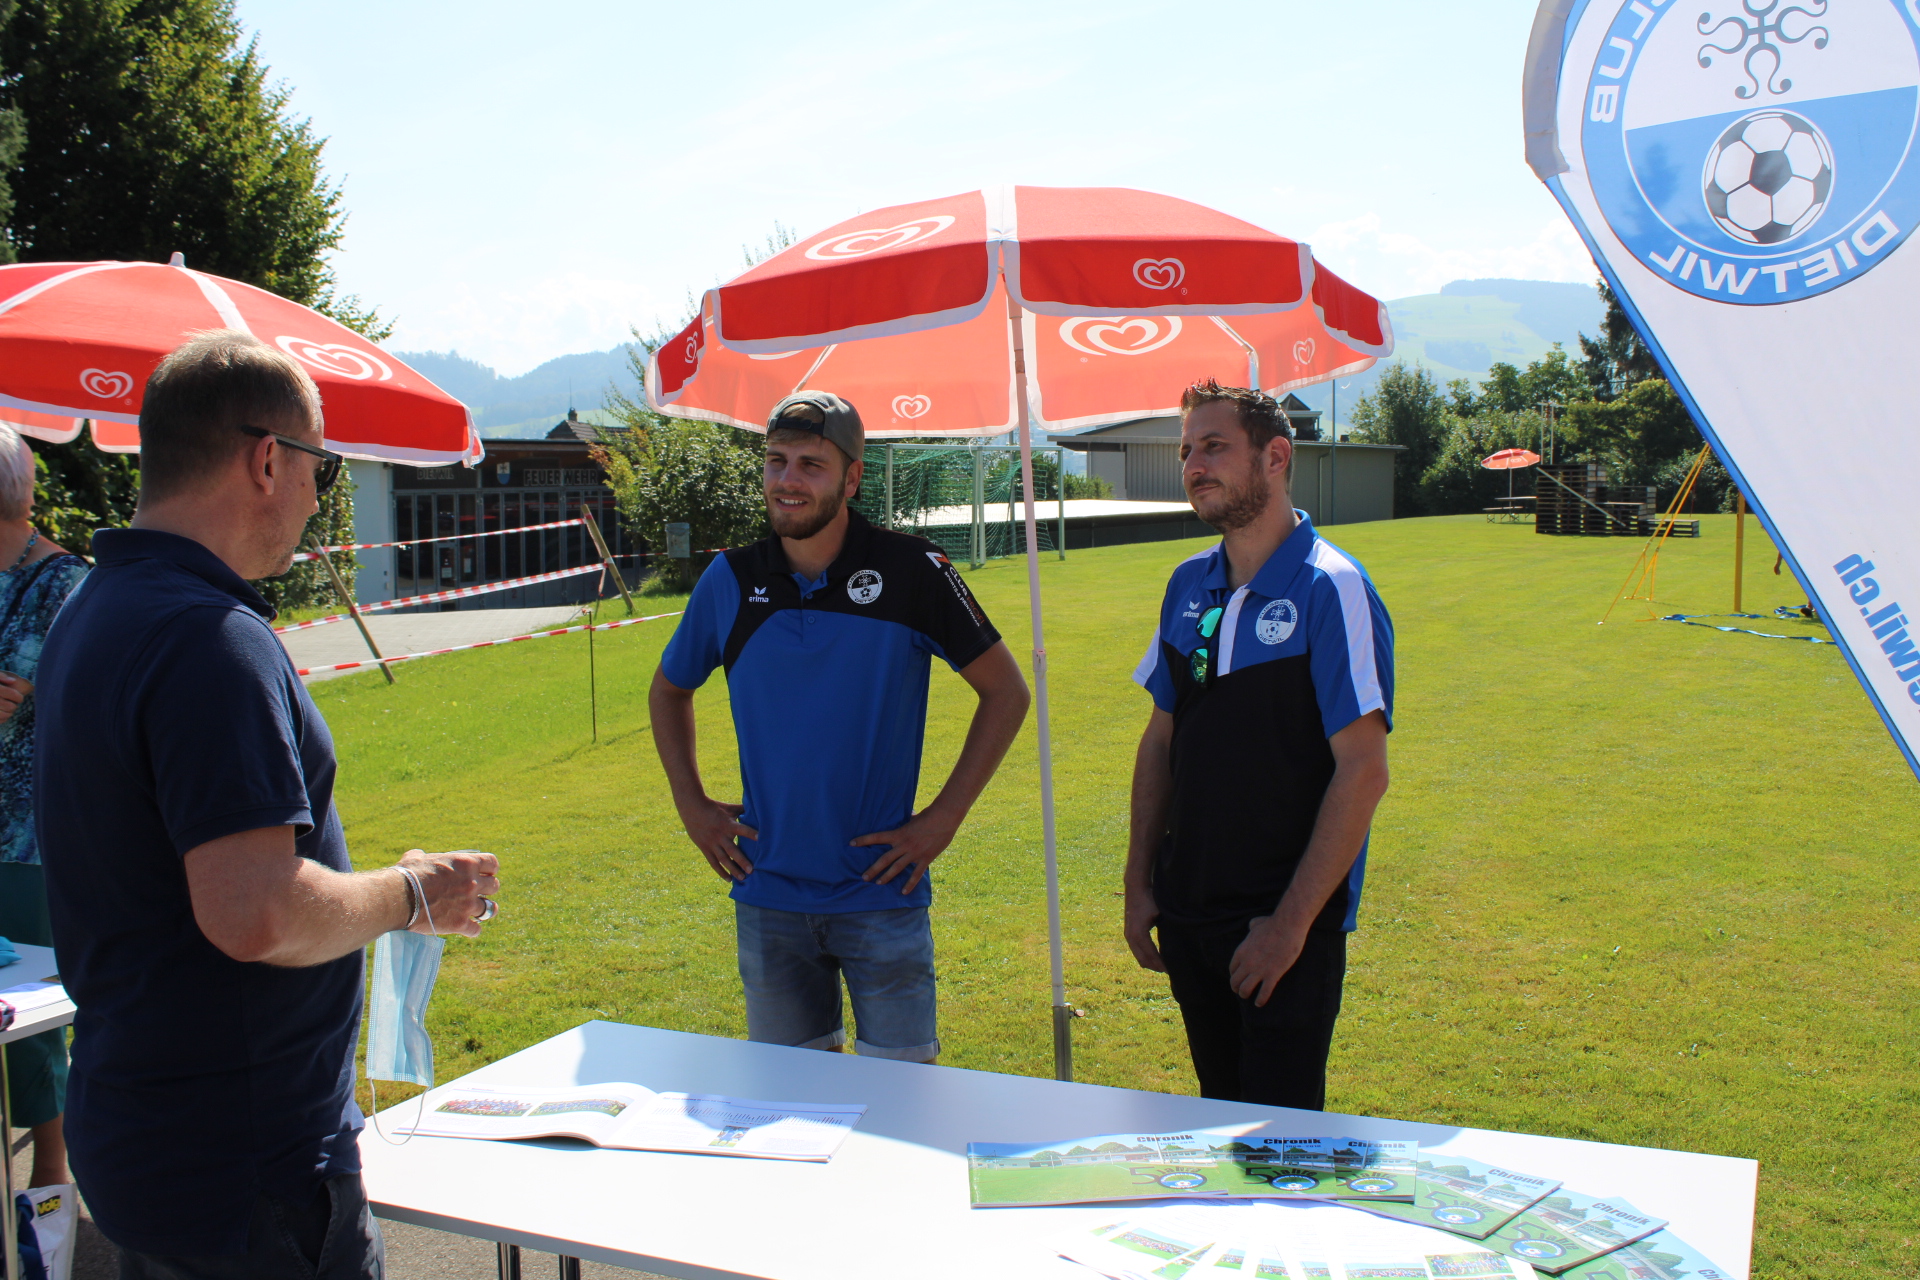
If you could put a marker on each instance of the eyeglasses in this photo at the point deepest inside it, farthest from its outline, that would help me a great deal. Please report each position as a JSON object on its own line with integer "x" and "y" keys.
{"x": 330, "y": 462}
{"x": 1206, "y": 625}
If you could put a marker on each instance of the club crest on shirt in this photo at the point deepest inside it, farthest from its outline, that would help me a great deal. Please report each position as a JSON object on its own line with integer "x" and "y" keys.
{"x": 864, "y": 587}
{"x": 1276, "y": 621}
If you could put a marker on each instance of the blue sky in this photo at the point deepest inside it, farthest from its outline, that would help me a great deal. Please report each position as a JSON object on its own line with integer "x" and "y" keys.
{"x": 526, "y": 180}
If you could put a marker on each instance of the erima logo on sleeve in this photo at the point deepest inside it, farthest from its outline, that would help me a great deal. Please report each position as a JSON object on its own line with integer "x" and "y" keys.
{"x": 759, "y": 596}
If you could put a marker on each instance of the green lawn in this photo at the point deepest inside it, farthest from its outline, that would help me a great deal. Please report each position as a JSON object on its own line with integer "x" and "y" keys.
{"x": 1640, "y": 883}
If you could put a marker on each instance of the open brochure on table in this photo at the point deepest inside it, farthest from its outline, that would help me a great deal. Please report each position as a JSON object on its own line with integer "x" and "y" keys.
{"x": 1203, "y": 1163}
{"x": 630, "y": 1117}
{"x": 25, "y": 997}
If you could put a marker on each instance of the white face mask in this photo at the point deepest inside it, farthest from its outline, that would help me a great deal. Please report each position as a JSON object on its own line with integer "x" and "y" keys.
{"x": 405, "y": 966}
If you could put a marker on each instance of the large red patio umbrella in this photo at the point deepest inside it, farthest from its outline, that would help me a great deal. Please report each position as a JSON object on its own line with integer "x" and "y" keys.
{"x": 78, "y": 340}
{"x": 991, "y": 310}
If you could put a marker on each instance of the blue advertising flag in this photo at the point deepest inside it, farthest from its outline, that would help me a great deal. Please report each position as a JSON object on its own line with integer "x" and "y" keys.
{"x": 1744, "y": 175}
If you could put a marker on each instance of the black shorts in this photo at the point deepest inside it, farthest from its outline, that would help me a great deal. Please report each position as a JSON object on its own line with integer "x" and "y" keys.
{"x": 1274, "y": 1054}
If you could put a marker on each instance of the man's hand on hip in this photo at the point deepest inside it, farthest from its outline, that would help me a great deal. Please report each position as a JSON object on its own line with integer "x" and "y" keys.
{"x": 713, "y": 827}
{"x": 455, "y": 885}
{"x": 1264, "y": 956}
{"x": 924, "y": 837}
{"x": 1142, "y": 912}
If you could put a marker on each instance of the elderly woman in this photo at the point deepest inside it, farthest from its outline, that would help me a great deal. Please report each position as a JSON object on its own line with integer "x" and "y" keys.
{"x": 37, "y": 581}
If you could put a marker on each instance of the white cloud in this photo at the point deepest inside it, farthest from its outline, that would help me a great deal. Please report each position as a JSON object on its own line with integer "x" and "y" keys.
{"x": 1397, "y": 263}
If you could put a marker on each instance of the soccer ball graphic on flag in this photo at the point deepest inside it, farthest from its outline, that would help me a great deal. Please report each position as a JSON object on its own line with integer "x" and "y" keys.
{"x": 1768, "y": 176}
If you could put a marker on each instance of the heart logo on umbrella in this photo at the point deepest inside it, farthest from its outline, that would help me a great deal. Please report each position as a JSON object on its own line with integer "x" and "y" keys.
{"x": 337, "y": 358}
{"x": 857, "y": 244}
{"x": 107, "y": 384}
{"x": 693, "y": 352}
{"x": 1127, "y": 336}
{"x": 911, "y": 406}
{"x": 1303, "y": 351}
{"x": 1159, "y": 273}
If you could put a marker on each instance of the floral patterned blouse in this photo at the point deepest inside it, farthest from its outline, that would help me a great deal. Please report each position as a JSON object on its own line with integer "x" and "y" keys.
{"x": 30, "y": 596}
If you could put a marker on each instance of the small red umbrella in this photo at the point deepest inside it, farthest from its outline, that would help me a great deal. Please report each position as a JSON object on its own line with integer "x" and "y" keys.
{"x": 78, "y": 340}
{"x": 1510, "y": 461}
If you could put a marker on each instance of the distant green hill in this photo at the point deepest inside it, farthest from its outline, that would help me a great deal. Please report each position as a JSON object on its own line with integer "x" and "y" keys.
{"x": 1462, "y": 330}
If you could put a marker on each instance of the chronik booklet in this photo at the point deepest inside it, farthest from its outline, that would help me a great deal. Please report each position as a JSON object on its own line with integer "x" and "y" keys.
{"x": 630, "y": 1117}
{"x": 1203, "y": 1163}
{"x": 1467, "y": 1197}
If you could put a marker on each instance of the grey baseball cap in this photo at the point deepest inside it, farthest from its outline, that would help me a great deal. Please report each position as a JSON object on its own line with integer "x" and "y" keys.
{"x": 842, "y": 425}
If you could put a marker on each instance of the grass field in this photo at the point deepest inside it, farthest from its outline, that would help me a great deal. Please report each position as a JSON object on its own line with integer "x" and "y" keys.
{"x": 1641, "y": 883}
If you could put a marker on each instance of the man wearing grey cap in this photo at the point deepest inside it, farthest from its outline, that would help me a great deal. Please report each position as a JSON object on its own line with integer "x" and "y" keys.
{"x": 826, "y": 631}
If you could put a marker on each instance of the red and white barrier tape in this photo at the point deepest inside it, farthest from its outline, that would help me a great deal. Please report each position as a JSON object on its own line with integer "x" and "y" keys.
{"x": 457, "y": 594}
{"x": 450, "y": 537}
{"x": 487, "y": 644}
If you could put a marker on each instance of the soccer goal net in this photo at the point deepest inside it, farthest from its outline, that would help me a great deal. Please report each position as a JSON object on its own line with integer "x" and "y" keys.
{"x": 966, "y": 499}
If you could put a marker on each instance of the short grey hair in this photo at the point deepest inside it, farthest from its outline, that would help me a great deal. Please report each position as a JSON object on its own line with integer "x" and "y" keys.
{"x": 16, "y": 475}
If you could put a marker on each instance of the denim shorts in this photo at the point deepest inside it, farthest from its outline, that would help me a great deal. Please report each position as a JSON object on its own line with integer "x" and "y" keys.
{"x": 791, "y": 965}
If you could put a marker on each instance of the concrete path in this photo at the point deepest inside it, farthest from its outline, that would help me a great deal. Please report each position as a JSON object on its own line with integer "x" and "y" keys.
{"x": 398, "y": 633}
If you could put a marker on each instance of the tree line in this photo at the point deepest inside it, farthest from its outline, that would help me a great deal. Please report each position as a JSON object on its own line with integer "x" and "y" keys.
{"x": 1610, "y": 405}
{"x": 136, "y": 129}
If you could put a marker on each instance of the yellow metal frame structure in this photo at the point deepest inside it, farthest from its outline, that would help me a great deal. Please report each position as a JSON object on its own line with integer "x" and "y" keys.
{"x": 1646, "y": 568}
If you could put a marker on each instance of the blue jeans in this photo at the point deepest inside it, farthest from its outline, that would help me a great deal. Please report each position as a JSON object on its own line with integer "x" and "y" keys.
{"x": 791, "y": 966}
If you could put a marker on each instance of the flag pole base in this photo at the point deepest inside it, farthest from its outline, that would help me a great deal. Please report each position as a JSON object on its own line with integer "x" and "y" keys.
{"x": 1063, "y": 1042}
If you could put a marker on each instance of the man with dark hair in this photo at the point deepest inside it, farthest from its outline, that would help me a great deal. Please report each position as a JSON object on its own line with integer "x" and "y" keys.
{"x": 1255, "y": 782}
{"x": 208, "y": 922}
{"x": 826, "y": 630}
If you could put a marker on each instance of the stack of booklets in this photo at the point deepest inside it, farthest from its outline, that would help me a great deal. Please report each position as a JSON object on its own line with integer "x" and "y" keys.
{"x": 633, "y": 1118}
{"x": 1519, "y": 1216}
{"x": 1204, "y": 1164}
{"x": 1268, "y": 1242}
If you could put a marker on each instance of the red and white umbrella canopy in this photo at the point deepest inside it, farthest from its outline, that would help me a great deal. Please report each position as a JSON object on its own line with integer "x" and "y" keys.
{"x": 1510, "y": 460}
{"x": 1124, "y": 297}
{"x": 78, "y": 340}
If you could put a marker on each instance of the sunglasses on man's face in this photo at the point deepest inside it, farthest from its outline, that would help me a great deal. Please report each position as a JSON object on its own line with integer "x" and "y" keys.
{"x": 1206, "y": 624}
{"x": 330, "y": 462}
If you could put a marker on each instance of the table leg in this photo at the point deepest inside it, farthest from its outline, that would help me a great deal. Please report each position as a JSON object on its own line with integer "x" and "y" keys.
{"x": 569, "y": 1268}
{"x": 509, "y": 1257}
{"x": 12, "y": 1215}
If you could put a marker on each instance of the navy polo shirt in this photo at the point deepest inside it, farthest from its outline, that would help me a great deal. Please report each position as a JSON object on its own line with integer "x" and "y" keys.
{"x": 1301, "y": 652}
{"x": 828, "y": 681}
{"x": 170, "y": 716}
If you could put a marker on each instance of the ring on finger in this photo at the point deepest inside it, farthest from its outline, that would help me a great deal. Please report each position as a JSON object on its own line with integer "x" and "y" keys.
{"x": 488, "y": 910}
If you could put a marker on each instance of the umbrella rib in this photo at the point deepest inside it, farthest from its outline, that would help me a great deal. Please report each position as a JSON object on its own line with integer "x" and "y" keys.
{"x": 1253, "y": 356}
{"x": 27, "y": 295}
{"x": 813, "y": 369}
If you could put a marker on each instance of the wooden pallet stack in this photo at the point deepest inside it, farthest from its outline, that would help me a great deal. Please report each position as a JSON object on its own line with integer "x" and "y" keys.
{"x": 1557, "y": 511}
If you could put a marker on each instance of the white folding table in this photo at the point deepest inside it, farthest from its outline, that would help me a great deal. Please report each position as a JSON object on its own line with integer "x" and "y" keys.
{"x": 894, "y": 1200}
{"x": 36, "y": 964}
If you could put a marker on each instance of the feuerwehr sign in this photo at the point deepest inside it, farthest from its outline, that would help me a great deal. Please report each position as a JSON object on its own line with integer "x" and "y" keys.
{"x": 1744, "y": 174}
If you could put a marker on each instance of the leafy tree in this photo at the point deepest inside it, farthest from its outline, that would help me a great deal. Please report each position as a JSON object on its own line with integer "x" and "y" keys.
{"x": 1635, "y": 434}
{"x": 13, "y": 140}
{"x": 669, "y": 470}
{"x": 153, "y": 129}
{"x": 1619, "y": 358}
{"x": 1455, "y": 481}
{"x": 1407, "y": 408}
{"x": 1552, "y": 379}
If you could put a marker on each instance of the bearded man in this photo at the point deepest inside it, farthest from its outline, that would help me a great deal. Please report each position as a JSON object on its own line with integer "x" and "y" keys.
{"x": 826, "y": 631}
{"x": 1256, "y": 779}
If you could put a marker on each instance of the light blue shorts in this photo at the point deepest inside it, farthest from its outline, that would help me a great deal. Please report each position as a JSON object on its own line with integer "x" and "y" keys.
{"x": 791, "y": 965}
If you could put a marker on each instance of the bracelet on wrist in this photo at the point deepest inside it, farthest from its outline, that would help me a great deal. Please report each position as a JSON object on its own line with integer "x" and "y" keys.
{"x": 415, "y": 895}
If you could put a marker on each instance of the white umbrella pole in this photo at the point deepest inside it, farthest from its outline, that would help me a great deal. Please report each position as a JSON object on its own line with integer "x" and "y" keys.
{"x": 1062, "y": 1011}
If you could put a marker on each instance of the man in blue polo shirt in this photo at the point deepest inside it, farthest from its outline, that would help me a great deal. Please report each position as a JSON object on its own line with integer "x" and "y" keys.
{"x": 208, "y": 923}
{"x": 826, "y": 631}
{"x": 1256, "y": 779}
